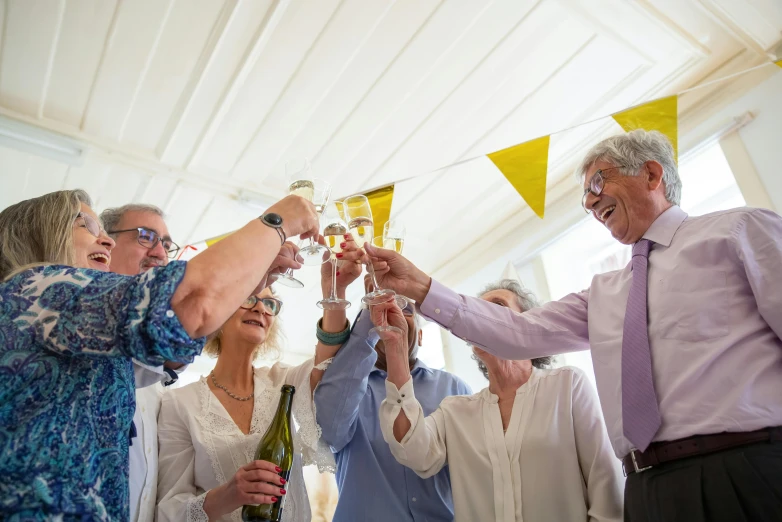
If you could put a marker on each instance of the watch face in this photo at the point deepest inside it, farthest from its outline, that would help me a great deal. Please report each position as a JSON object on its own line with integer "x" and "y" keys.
{"x": 273, "y": 219}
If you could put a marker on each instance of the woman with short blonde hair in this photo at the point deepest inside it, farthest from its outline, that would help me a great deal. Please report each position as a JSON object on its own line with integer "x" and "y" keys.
{"x": 68, "y": 331}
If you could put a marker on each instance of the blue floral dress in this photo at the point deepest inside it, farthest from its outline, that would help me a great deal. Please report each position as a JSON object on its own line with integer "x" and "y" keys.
{"x": 67, "y": 336}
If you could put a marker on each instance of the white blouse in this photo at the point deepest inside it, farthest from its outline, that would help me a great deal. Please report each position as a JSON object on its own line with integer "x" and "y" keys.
{"x": 554, "y": 464}
{"x": 202, "y": 448}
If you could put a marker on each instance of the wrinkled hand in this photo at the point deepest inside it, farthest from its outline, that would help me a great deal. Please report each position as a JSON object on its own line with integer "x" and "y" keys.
{"x": 348, "y": 268}
{"x": 394, "y": 271}
{"x": 298, "y": 216}
{"x": 256, "y": 483}
{"x": 389, "y": 314}
{"x": 286, "y": 258}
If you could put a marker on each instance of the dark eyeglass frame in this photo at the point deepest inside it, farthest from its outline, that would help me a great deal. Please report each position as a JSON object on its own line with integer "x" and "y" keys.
{"x": 265, "y": 301}
{"x": 171, "y": 249}
{"x": 596, "y": 184}
{"x": 92, "y": 226}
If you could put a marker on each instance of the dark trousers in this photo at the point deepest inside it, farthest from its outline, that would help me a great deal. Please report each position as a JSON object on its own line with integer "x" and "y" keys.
{"x": 735, "y": 485}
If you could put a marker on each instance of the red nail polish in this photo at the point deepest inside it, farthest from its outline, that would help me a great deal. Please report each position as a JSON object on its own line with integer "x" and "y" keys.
{"x": 348, "y": 236}
{"x": 282, "y": 491}
{"x": 274, "y": 499}
{"x": 339, "y": 256}
{"x": 277, "y": 468}
{"x": 283, "y": 481}
{"x": 343, "y": 245}
{"x": 337, "y": 273}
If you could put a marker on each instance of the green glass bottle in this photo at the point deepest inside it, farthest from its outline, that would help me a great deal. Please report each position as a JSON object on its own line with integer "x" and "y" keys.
{"x": 276, "y": 447}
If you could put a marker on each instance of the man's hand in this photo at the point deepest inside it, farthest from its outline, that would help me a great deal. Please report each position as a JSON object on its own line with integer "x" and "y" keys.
{"x": 397, "y": 273}
{"x": 395, "y": 341}
{"x": 348, "y": 268}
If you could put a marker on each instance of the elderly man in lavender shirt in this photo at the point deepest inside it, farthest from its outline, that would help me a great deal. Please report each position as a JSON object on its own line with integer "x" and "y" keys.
{"x": 685, "y": 340}
{"x": 372, "y": 484}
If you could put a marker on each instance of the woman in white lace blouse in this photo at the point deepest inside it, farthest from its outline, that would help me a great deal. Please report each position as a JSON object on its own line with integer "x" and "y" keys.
{"x": 209, "y": 430}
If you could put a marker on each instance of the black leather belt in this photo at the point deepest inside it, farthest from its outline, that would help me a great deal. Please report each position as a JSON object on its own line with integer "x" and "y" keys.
{"x": 668, "y": 451}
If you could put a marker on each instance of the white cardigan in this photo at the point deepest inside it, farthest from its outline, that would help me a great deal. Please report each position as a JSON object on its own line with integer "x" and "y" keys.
{"x": 202, "y": 448}
{"x": 554, "y": 464}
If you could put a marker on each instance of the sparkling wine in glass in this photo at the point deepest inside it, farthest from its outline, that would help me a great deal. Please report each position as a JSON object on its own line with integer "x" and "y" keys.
{"x": 394, "y": 235}
{"x": 334, "y": 235}
{"x": 318, "y": 191}
{"x": 362, "y": 228}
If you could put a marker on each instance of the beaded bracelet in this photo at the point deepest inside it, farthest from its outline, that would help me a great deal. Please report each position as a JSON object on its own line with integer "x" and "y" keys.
{"x": 331, "y": 338}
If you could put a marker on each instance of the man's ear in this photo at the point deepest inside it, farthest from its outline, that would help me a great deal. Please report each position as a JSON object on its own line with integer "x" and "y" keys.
{"x": 420, "y": 337}
{"x": 654, "y": 174}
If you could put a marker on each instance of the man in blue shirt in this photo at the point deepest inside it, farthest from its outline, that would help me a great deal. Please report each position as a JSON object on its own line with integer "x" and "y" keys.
{"x": 372, "y": 484}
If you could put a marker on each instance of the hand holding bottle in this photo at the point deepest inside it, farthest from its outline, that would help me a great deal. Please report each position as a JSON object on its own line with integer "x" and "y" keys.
{"x": 256, "y": 483}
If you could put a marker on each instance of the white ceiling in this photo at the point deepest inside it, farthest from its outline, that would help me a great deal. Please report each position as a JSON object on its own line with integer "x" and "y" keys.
{"x": 187, "y": 102}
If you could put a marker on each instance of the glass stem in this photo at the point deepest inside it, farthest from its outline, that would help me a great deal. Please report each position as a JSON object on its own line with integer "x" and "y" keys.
{"x": 333, "y": 278}
{"x": 371, "y": 270}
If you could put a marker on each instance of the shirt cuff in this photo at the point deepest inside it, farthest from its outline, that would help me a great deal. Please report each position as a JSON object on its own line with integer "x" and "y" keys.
{"x": 403, "y": 398}
{"x": 441, "y": 305}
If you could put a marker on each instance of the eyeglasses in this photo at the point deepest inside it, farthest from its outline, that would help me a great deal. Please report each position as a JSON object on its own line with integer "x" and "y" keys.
{"x": 596, "y": 185}
{"x": 92, "y": 226}
{"x": 149, "y": 239}
{"x": 271, "y": 305}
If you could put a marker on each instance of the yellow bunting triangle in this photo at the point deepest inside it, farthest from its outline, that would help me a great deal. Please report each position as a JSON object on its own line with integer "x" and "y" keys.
{"x": 211, "y": 241}
{"x": 525, "y": 166}
{"x": 380, "y": 201}
{"x": 660, "y": 115}
{"x": 779, "y": 62}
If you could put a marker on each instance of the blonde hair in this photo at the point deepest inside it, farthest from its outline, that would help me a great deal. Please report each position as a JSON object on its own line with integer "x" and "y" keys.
{"x": 271, "y": 348}
{"x": 39, "y": 231}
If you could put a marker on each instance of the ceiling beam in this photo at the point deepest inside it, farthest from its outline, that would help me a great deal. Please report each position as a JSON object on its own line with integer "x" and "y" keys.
{"x": 262, "y": 36}
{"x": 145, "y": 161}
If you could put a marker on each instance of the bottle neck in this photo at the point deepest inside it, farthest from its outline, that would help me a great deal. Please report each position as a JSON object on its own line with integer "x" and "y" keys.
{"x": 284, "y": 408}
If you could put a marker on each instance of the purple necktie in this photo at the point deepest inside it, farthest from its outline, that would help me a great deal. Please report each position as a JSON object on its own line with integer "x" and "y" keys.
{"x": 640, "y": 413}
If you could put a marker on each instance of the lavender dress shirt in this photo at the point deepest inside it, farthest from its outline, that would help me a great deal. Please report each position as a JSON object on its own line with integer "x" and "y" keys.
{"x": 715, "y": 323}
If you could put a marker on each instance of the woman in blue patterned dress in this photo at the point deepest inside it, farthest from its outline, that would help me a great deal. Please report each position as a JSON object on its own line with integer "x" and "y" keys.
{"x": 68, "y": 331}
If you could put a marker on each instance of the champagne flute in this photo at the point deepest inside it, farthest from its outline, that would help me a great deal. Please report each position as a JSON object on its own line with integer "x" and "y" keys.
{"x": 334, "y": 234}
{"x": 286, "y": 278}
{"x": 362, "y": 228}
{"x": 317, "y": 191}
{"x": 394, "y": 235}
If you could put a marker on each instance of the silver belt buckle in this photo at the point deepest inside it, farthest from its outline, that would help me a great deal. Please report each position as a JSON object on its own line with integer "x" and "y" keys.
{"x": 635, "y": 463}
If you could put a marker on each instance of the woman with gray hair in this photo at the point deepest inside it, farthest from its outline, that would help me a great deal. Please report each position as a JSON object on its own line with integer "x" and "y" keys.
{"x": 531, "y": 446}
{"x": 68, "y": 331}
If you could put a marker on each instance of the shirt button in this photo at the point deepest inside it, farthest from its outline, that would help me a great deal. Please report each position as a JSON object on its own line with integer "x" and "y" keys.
{"x": 403, "y": 395}
{"x": 437, "y": 310}
{"x": 170, "y": 313}
{"x": 398, "y": 401}
{"x": 414, "y": 499}
{"x": 143, "y": 409}
{"x": 149, "y": 450}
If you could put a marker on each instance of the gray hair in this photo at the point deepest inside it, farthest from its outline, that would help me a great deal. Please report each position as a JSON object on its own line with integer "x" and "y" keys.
{"x": 112, "y": 216}
{"x": 39, "y": 231}
{"x": 631, "y": 150}
{"x": 526, "y": 301}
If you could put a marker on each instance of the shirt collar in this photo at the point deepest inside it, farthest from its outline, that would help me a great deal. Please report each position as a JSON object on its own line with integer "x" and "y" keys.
{"x": 418, "y": 367}
{"x": 665, "y": 226}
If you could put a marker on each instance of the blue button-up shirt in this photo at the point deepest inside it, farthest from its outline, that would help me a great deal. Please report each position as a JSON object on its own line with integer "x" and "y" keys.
{"x": 372, "y": 484}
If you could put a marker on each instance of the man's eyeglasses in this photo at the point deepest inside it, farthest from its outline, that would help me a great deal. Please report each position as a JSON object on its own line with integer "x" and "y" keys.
{"x": 149, "y": 239}
{"x": 595, "y": 188}
{"x": 88, "y": 222}
{"x": 271, "y": 305}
